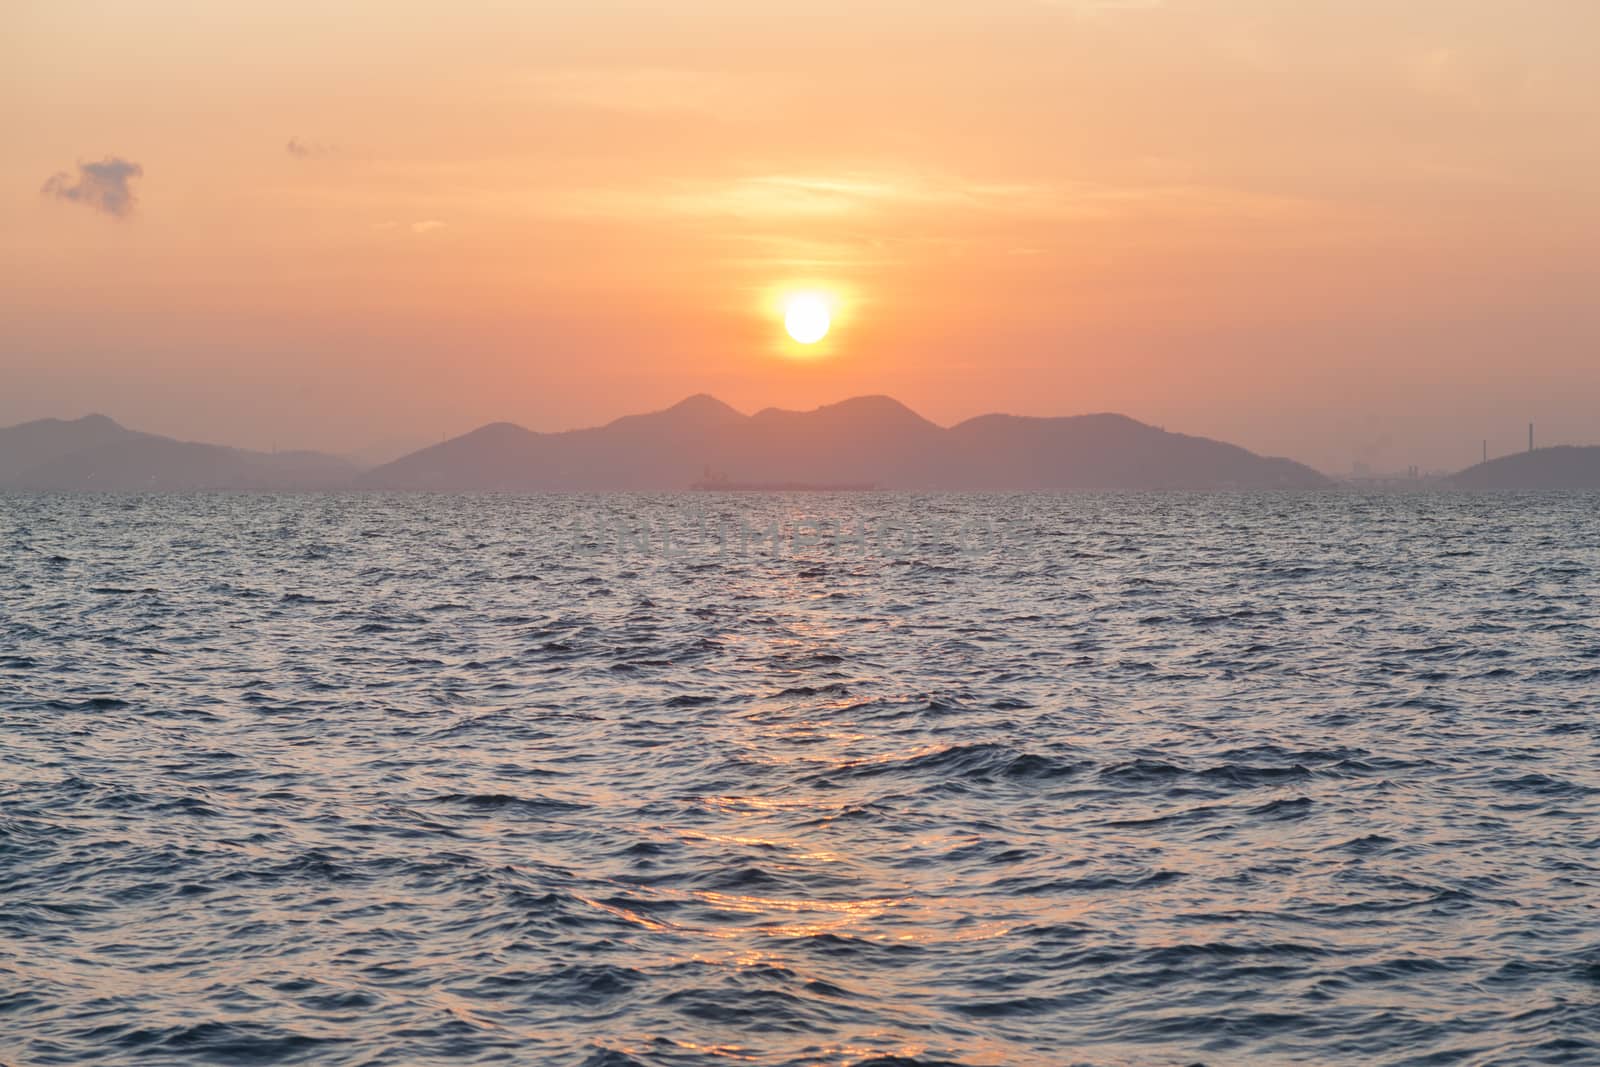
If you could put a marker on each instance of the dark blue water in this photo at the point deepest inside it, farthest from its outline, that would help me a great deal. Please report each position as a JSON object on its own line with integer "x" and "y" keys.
{"x": 1156, "y": 779}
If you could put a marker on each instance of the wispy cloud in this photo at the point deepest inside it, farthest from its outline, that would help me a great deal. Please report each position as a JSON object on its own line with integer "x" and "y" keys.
{"x": 785, "y": 196}
{"x": 886, "y": 196}
{"x": 303, "y": 149}
{"x": 421, "y": 226}
{"x": 103, "y": 186}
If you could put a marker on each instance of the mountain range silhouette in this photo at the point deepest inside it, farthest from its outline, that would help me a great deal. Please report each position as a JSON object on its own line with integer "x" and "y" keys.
{"x": 702, "y": 442}
{"x": 867, "y": 441}
{"x": 871, "y": 440}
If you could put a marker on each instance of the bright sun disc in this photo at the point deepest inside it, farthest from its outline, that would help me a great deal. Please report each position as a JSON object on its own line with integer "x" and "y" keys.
{"x": 807, "y": 318}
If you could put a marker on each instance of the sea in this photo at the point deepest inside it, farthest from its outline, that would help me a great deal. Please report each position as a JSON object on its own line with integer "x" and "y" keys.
{"x": 800, "y": 779}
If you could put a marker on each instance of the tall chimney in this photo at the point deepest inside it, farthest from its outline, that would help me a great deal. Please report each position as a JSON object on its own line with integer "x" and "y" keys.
{"x": 1530, "y": 437}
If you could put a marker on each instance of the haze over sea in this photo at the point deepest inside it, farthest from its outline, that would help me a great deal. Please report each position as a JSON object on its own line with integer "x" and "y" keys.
{"x": 1106, "y": 778}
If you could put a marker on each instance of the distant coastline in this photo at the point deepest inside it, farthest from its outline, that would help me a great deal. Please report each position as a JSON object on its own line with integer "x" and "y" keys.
{"x": 721, "y": 483}
{"x": 703, "y": 445}
{"x": 782, "y": 487}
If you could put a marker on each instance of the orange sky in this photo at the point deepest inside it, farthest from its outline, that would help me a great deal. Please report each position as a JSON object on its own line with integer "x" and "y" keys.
{"x": 1335, "y": 229}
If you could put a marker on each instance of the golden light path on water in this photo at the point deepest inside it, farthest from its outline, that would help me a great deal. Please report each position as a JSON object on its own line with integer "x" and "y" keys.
{"x": 423, "y": 778}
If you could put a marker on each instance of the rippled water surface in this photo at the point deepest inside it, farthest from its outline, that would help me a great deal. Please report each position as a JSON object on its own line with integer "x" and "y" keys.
{"x": 1085, "y": 779}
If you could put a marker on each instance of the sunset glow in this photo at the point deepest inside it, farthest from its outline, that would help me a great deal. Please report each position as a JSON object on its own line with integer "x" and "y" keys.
{"x": 440, "y": 224}
{"x": 807, "y": 318}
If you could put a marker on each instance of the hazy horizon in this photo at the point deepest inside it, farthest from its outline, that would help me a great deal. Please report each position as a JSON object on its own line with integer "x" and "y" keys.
{"x": 1334, "y": 232}
{"x": 377, "y": 452}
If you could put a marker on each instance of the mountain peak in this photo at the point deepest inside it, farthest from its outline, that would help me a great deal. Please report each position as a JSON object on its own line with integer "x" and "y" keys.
{"x": 877, "y": 408}
{"x": 701, "y": 404}
{"x": 697, "y": 410}
{"x": 875, "y": 402}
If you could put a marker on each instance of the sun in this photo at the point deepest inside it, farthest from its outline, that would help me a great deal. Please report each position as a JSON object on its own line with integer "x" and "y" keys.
{"x": 807, "y": 318}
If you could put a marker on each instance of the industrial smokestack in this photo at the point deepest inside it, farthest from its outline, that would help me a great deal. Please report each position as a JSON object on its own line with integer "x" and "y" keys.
{"x": 1530, "y": 437}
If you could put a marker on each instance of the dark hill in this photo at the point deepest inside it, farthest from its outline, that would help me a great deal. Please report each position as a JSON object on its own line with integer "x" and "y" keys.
{"x": 34, "y": 444}
{"x": 868, "y": 440}
{"x": 97, "y": 454}
{"x": 1562, "y": 467}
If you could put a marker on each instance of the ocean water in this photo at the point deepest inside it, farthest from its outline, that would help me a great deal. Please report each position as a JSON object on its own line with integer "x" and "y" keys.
{"x": 808, "y": 779}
